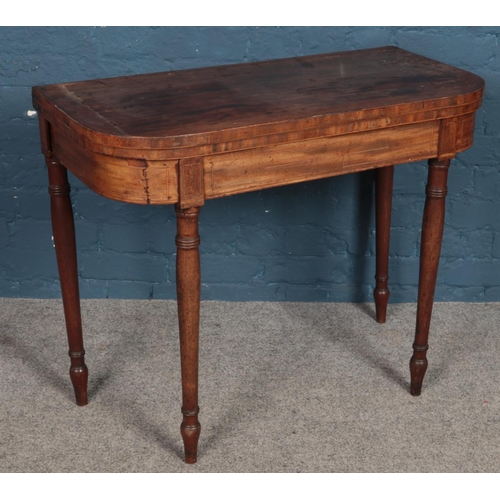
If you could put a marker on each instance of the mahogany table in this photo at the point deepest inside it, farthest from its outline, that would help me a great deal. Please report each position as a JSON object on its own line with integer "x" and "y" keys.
{"x": 184, "y": 137}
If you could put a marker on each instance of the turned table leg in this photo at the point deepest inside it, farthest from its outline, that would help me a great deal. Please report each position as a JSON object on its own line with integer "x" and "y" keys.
{"x": 64, "y": 241}
{"x": 188, "y": 304}
{"x": 432, "y": 235}
{"x": 383, "y": 203}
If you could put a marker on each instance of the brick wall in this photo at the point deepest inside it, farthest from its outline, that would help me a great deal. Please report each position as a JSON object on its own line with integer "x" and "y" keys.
{"x": 312, "y": 241}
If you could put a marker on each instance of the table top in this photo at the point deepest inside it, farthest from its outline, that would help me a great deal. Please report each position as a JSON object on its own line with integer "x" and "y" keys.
{"x": 217, "y": 105}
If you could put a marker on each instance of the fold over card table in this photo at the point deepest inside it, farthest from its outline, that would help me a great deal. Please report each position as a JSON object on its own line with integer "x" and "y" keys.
{"x": 185, "y": 137}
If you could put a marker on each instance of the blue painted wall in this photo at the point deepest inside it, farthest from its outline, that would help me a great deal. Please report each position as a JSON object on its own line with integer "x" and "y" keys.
{"x": 312, "y": 241}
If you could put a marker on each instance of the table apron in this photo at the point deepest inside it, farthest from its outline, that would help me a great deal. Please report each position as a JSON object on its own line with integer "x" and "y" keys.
{"x": 144, "y": 181}
{"x": 283, "y": 164}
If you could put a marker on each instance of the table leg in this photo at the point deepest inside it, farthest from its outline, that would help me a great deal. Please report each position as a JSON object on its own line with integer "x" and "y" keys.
{"x": 64, "y": 240}
{"x": 188, "y": 304}
{"x": 432, "y": 235}
{"x": 383, "y": 202}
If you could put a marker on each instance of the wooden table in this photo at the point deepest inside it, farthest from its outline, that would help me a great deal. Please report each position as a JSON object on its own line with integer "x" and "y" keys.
{"x": 184, "y": 137}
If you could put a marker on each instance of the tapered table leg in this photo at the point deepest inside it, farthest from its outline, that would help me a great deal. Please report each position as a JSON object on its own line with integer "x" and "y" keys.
{"x": 383, "y": 202}
{"x": 188, "y": 304}
{"x": 432, "y": 235}
{"x": 64, "y": 241}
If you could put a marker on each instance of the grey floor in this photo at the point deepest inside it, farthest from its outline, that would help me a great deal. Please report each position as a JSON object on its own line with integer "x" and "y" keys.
{"x": 284, "y": 387}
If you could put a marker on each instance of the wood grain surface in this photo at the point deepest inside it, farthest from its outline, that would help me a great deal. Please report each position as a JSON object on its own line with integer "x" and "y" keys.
{"x": 218, "y": 105}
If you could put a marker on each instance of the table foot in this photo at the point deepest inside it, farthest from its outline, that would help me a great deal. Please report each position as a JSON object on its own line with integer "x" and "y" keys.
{"x": 79, "y": 376}
{"x": 190, "y": 432}
{"x": 381, "y": 297}
{"x": 188, "y": 306}
{"x": 64, "y": 241}
{"x": 383, "y": 202}
{"x": 432, "y": 235}
{"x": 418, "y": 367}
